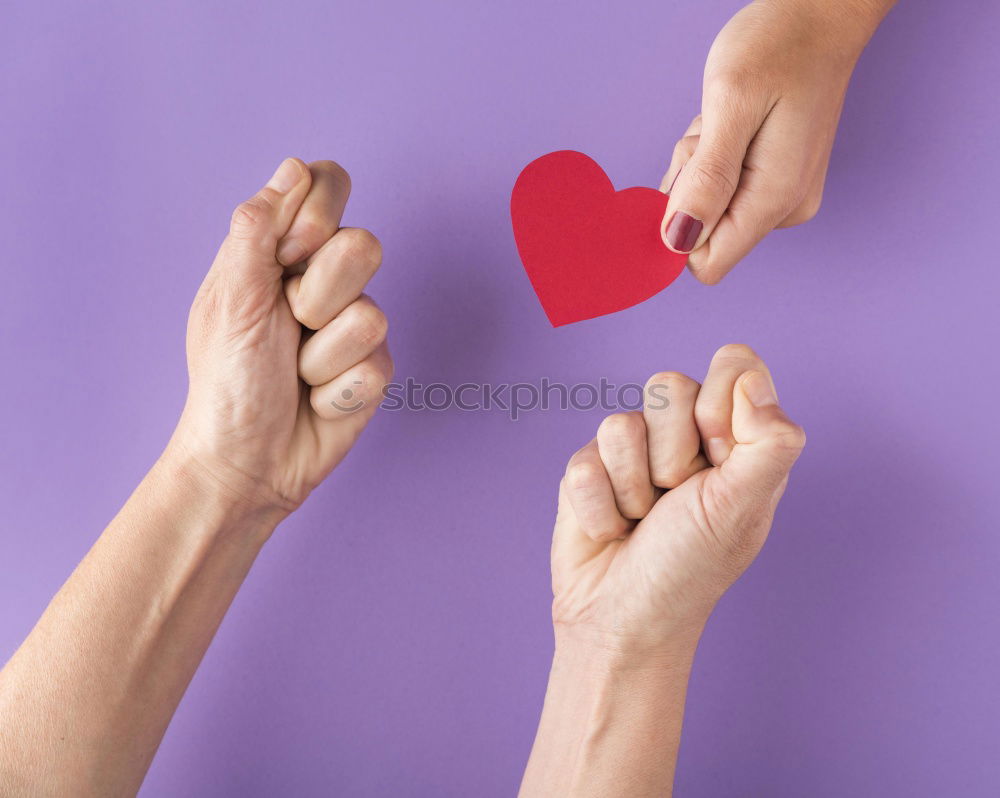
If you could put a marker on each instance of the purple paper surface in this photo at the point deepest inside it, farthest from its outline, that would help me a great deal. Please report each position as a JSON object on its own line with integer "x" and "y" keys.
{"x": 393, "y": 638}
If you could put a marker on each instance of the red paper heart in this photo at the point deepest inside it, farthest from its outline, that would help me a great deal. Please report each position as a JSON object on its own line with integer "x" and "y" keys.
{"x": 588, "y": 250}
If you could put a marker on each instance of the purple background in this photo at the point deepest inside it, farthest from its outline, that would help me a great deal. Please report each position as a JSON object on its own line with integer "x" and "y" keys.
{"x": 393, "y": 638}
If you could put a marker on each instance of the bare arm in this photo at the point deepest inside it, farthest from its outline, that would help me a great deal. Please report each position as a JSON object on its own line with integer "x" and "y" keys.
{"x": 85, "y": 700}
{"x": 658, "y": 515}
{"x": 609, "y": 727}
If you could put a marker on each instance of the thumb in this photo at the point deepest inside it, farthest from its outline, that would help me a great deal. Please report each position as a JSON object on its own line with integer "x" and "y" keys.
{"x": 767, "y": 441}
{"x": 261, "y": 221}
{"x": 572, "y": 547}
{"x": 707, "y": 182}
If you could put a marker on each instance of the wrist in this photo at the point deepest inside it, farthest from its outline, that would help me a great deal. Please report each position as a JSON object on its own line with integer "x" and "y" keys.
{"x": 845, "y": 25}
{"x": 615, "y": 655}
{"x": 228, "y": 504}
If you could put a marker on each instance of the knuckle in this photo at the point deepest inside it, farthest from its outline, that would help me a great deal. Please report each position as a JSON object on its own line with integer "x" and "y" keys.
{"x": 791, "y": 439}
{"x": 714, "y": 173}
{"x": 368, "y": 374}
{"x": 583, "y": 476}
{"x": 666, "y": 387}
{"x": 251, "y": 214}
{"x": 671, "y": 379}
{"x": 735, "y": 352}
{"x": 368, "y": 324}
{"x": 367, "y": 381}
{"x": 334, "y": 401}
{"x": 622, "y": 431}
{"x": 362, "y": 247}
{"x": 382, "y": 370}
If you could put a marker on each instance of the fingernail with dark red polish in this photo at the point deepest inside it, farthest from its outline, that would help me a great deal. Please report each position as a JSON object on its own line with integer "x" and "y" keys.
{"x": 683, "y": 231}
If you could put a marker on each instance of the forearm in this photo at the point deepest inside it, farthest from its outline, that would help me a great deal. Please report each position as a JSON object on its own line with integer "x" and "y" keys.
{"x": 847, "y": 24}
{"x": 610, "y": 727}
{"x": 86, "y": 699}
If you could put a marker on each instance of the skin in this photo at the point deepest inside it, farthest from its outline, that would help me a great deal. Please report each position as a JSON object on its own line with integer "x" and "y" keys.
{"x": 756, "y": 157}
{"x": 657, "y": 517}
{"x": 279, "y": 331}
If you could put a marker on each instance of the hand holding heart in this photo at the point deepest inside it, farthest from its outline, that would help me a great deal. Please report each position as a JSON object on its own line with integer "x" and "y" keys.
{"x": 756, "y": 156}
{"x": 754, "y": 159}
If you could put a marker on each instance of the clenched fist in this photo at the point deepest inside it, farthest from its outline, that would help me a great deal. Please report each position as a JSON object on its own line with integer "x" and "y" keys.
{"x": 287, "y": 357}
{"x": 665, "y": 508}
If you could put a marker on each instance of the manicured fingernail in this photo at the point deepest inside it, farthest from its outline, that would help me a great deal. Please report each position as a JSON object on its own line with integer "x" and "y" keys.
{"x": 291, "y": 251}
{"x": 682, "y": 232}
{"x": 759, "y": 390}
{"x": 718, "y": 450}
{"x": 287, "y": 176}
